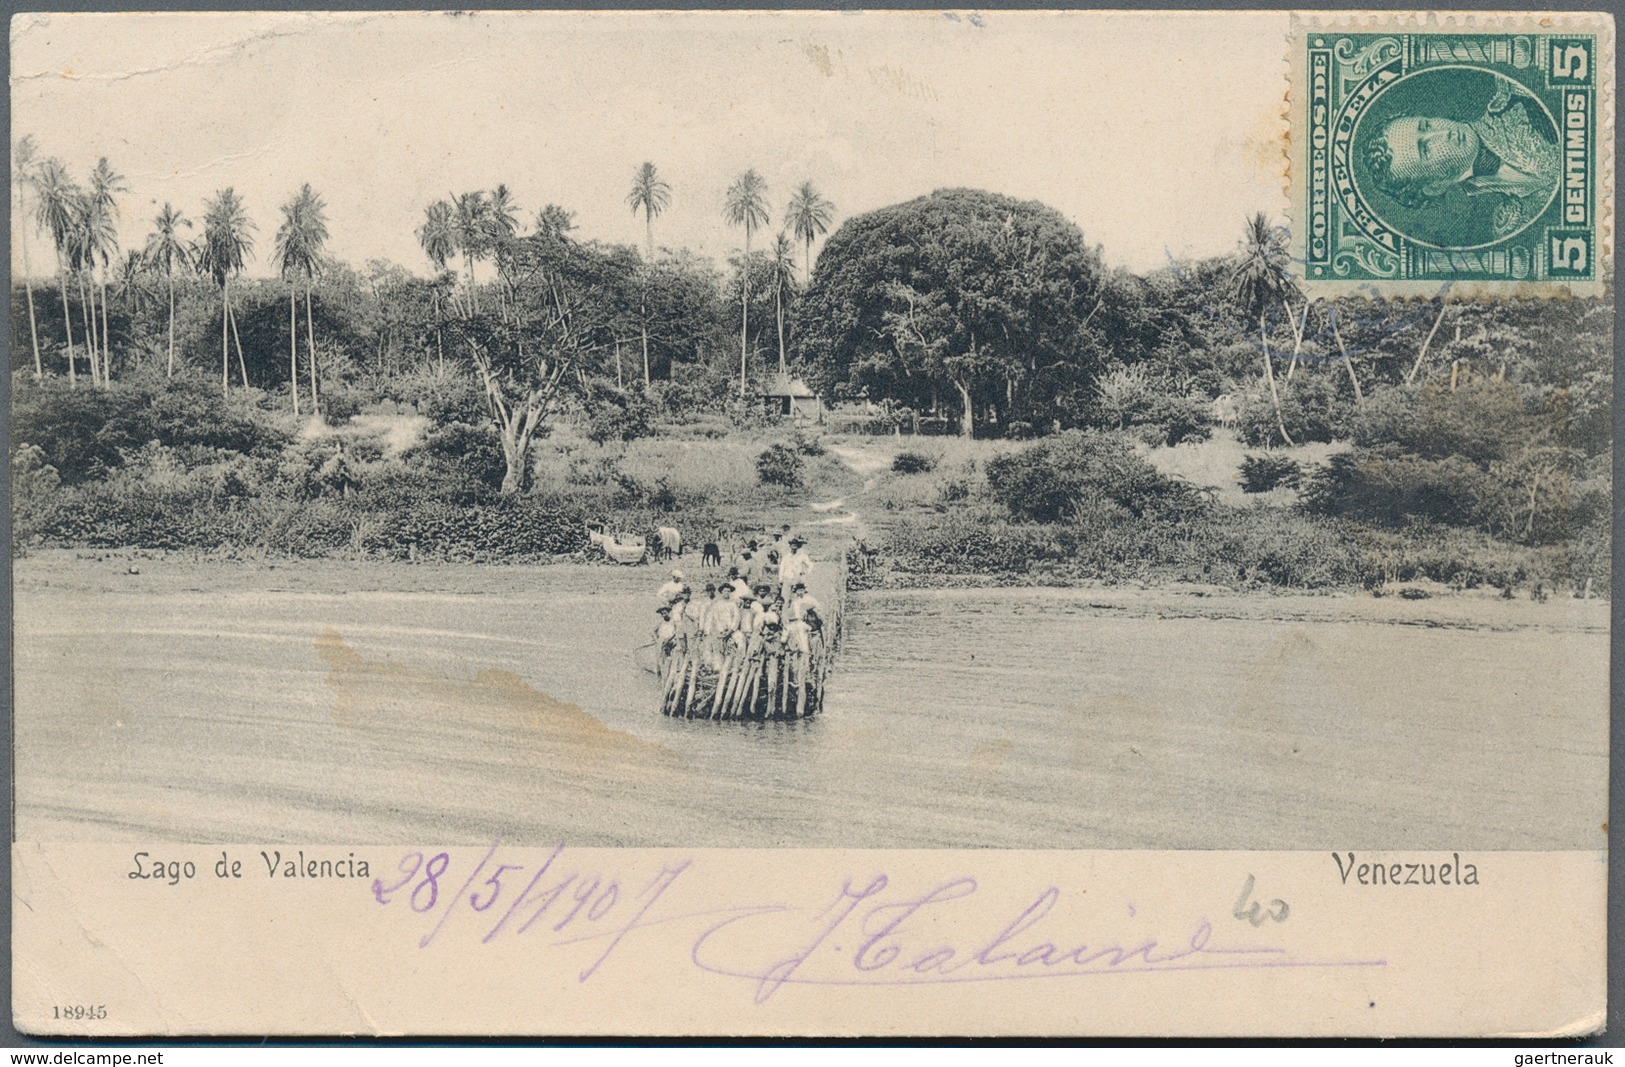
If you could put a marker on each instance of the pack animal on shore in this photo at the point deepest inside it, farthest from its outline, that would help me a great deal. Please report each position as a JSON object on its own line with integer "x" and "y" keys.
{"x": 666, "y": 542}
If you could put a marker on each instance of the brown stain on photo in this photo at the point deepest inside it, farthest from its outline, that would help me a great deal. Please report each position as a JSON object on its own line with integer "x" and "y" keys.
{"x": 818, "y": 55}
{"x": 990, "y": 756}
{"x": 376, "y": 694}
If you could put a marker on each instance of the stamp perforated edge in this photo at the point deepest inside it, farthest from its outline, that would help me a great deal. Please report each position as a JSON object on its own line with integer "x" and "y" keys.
{"x": 1601, "y": 23}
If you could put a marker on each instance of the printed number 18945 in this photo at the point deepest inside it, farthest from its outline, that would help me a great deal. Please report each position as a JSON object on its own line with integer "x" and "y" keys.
{"x": 79, "y": 1011}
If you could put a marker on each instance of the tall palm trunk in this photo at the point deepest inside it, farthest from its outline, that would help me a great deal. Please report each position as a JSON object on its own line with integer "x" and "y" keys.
{"x": 1269, "y": 375}
{"x": 643, "y": 327}
{"x": 28, "y": 284}
{"x": 225, "y": 337}
{"x": 237, "y": 340}
{"x": 293, "y": 344}
{"x": 744, "y": 318}
{"x": 1298, "y": 327}
{"x": 439, "y": 342}
{"x": 778, "y": 295}
{"x": 87, "y": 318}
{"x": 107, "y": 345}
{"x": 1422, "y": 353}
{"x": 1359, "y": 397}
{"x": 310, "y": 336}
{"x": 171, "y": 371}
{"x": 67, "y": 317}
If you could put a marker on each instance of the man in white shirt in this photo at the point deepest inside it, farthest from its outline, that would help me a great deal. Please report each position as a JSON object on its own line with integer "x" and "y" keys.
{"x": 795, "y": 566}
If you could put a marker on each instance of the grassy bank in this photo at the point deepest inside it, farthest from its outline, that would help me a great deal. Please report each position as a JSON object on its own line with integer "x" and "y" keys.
{"x": 171, "y": 466}
{"x": 1180, "y": 514}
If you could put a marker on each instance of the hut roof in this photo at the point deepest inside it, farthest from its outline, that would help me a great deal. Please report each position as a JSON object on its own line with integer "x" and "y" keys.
{"x": 781, "y": 385}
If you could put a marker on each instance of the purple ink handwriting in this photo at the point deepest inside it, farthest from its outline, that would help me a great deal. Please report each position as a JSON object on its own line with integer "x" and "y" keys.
{"x": 870, "y": 931}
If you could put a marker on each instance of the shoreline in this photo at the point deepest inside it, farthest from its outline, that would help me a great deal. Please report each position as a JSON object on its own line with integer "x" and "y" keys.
{"x": 138, "y": 571}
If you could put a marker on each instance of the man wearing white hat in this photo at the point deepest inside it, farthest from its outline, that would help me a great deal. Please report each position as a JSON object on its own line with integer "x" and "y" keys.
{"x": 796, "y": 566}
{"x": 669, "y": 591}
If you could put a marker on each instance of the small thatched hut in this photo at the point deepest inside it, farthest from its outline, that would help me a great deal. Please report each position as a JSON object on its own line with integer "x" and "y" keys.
{"x": 783, "y": 395}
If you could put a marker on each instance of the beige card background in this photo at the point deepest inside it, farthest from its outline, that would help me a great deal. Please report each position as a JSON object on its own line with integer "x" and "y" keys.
{"x": 1519, "y": 952}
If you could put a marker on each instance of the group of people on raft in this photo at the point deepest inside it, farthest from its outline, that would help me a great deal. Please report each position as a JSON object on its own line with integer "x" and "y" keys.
{"x": 747, "y": 644}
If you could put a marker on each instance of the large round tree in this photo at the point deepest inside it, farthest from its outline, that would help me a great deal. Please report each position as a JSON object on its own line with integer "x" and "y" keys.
{"x": 963, "y": 300}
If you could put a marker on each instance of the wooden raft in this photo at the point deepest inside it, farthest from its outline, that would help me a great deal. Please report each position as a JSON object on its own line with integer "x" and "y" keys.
{"x": 761, "y": 678}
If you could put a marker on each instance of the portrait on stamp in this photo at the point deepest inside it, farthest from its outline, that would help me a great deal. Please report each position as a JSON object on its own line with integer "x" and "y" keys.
{"x": 1458, "y": 177}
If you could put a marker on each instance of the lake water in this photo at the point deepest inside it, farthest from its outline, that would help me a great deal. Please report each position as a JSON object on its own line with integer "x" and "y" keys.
{"x": 237, "y": 702}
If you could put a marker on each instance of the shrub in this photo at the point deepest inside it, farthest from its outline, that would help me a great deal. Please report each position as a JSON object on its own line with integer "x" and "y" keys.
{"x": 1128, "y": 399}
{"x": 340, "y": 404}
{"x": 779, "y": 464}
{"x": 1180, "y": 419}
{"x": 1483, "y": 422}
{"x": 866, "y": 423}
{"x": 1260, "y": 474}
{"x": 1047, "y": 481}
{"x": 808, "y": 445}
{"x": 911, "y": 462}
{"x": 506, "y": 528}
{"x": 1279, "y": 547}
{"x": 1394, "y": 488}
{"x": 1121, "y": 396}
{"x": 85, "y": 433}
{"x": 970, "y": 541}
{"x": 466, "y": 451}
{"x": 1312, "y": 407}
{"x": 616, "y": 414}
{"x": 455, "y": 398}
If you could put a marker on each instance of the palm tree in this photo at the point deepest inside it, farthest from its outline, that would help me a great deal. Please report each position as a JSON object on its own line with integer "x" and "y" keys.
{"x": 22, "y": 176}
{"x": 808, "y": 217}
{"x": 555, "y": 223}
{"x": 57, "y": 211}
{"x": 82, "y": 259}
{"x": 438, "y": 236}
{"x": 166, "y": 250}
{"x": 102, "y": 227}
{"x": 227, "y": 243}
{"x": 651, "y": 196}
{"x": 299, "y": 242}
{"x": 502, "y": 214}
{"x": 783, "y": 268}
{"x": 1261, "y": 280}
{"x": 501, "y": 223}
{"x": 746, "y": 206}
{"x": 471, "y": 223}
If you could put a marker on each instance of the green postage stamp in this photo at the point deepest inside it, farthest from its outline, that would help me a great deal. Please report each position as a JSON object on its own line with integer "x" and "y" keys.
{"x": 1469, "y": 155}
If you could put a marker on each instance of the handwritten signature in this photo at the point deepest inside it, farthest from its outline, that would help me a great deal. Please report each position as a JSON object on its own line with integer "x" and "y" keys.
{"x": 871, "y": 931}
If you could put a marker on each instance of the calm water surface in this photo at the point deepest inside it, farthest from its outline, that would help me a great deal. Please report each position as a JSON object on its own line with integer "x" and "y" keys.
{"x": 461, "y": 705}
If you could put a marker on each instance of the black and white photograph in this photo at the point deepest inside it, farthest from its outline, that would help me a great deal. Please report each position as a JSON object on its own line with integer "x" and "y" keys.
{"x": 798, "y": 434}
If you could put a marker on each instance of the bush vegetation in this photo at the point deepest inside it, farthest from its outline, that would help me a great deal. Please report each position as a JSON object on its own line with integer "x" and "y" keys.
{"x": 1260, "y": 474}
{"x": 910, "y": 462}
{"x": 780, "y": 464}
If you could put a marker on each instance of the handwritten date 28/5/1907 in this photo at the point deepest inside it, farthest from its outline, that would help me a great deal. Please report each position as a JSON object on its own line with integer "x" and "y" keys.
{"x": 858, "y": 931}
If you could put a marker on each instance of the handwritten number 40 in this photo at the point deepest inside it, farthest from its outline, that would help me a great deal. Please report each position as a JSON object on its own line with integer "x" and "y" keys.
{"x": 410, "y": 865}
{"x": 1249, "y": 910}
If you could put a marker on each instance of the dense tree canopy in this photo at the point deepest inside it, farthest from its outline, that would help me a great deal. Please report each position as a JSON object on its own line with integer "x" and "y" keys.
{"x": 962, "y": 298}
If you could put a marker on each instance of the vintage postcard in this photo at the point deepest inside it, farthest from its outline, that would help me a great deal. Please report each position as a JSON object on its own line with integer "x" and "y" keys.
{"x": 808, "y": 523}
